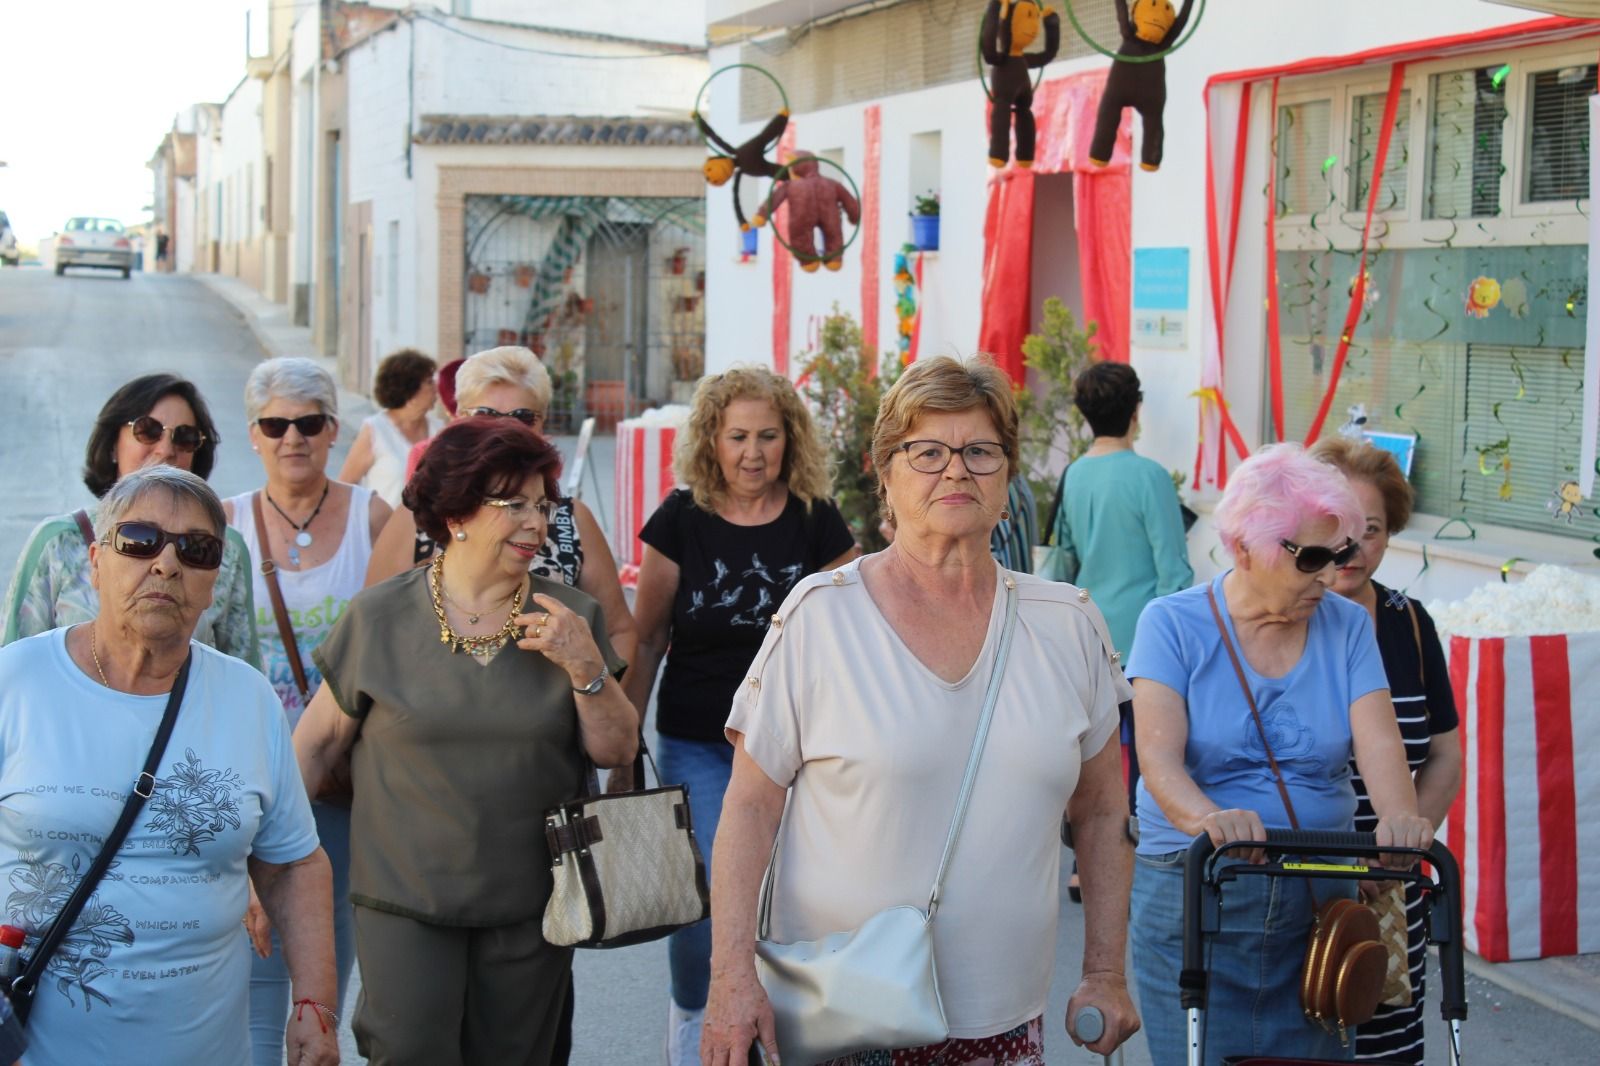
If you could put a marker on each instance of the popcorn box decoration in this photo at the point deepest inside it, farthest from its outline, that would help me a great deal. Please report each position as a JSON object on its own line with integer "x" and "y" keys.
{"x": 644, "y": 478}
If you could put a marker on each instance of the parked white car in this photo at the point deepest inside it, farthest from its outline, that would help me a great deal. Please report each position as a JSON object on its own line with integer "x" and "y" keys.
{"x": 8, "y": 242}
{"x": 94, "y": 242}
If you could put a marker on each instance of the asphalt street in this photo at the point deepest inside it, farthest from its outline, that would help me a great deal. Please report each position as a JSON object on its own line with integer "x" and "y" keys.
{"x": 67, "y": 343}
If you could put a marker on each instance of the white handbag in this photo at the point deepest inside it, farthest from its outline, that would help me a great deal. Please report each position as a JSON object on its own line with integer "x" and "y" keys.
{"x": 874, "y": 987}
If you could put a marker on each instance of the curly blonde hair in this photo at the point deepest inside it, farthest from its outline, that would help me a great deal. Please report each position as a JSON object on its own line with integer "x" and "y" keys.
{"x": 805, "y": 461}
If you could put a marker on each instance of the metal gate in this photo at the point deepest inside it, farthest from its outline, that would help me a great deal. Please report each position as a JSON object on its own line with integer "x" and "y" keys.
{"x": 609, "y": 291}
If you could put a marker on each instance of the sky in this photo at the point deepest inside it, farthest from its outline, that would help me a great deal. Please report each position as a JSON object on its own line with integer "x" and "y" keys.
{"x": 91, "y": 87}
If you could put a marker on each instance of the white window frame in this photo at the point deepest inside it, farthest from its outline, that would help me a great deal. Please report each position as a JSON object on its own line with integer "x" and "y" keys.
{"x": 1336, "y": 110}
{"x": 1356, "y": 216}
{"x": 1523, "y": 72}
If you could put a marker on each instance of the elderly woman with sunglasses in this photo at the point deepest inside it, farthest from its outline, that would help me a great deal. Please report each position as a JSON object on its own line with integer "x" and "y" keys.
{"x": 1310, "y": 692}
{"x": 318, "y": 540}
{"x": 511, "y": 382}
{"x": 155, "y": 419}
{"x": 468, "y": 695}
{"x": 157, "y": 950}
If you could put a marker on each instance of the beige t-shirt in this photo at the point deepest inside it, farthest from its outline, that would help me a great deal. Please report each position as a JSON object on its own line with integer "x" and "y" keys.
{"x": 873, "y": 746}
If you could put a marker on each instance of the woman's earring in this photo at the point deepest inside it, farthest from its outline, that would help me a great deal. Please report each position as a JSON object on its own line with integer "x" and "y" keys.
{"x": 461, "y": 534}
{"x": 1005, "y": 514}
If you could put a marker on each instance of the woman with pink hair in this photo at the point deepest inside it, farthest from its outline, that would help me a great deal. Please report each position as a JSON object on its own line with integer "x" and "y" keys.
{"x": 1308, "y": 660}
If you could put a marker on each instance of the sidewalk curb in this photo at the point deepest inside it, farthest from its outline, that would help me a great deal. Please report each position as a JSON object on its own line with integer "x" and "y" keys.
{"x": 252, "y": 321}
{"x": 1542, "y": 993}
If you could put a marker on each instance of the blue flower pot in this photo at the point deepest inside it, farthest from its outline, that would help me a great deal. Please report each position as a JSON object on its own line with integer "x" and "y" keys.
{"x": 925, "y": 232}
{"x": 748, "y": 242}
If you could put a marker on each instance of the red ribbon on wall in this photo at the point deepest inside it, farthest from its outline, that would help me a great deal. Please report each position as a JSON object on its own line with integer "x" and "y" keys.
{"x": 782, "y": 271}
{"x": 1352, "y": 318}
{"x": 1221, "y": 273}
{"x": 871, "y": 224}
{"x": 1274, "y": 342}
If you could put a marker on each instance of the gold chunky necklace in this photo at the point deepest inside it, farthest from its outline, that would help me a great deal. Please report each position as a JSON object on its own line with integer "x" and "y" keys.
{"x": 479, "y": 646}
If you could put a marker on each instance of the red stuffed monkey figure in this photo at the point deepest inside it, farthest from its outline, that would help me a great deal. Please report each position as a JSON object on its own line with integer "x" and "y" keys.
{"x": 815, "y": 202}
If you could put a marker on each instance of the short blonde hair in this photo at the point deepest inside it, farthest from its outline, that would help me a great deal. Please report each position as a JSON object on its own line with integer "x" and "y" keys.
{"x": 1359, "y": 459}
{"x": 509, "y": 365}
{"x": 805, "y": 461}
{"x": 944, "y": 384}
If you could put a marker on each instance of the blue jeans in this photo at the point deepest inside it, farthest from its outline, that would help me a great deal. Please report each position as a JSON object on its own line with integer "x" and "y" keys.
{"x": 269, "y": 977}
{"x": 1253, "y": 995}
{"x": 705, "y": 767}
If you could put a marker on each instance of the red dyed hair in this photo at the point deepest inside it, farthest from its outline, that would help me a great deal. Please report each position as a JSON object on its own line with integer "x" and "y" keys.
{"x": 472, "y": 460}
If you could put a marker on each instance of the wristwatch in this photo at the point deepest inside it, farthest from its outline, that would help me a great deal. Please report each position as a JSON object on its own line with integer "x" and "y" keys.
{"x": 593, "y": 688}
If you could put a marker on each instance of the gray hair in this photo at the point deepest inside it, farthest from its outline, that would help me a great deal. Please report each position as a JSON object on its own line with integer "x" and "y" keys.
{"x": 290, "y": 378}
{"x": 178, "y": 485}
{"x": 507, "y": 365}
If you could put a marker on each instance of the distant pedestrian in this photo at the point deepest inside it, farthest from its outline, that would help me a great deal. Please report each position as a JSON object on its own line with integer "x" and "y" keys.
{"x": 152, "y": 420}
{"x": 719, "y": 557}
{"x": 156, "y": 967}
{"x": 467, "y": 695}
{"x": 161, "y": 250}
{"x": 406, "y": 390}
{"x": 319, "y": 535}
{"x": 1224, "y": 749}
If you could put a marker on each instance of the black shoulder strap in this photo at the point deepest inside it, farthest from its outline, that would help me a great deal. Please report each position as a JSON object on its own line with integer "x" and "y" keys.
{"x": 143, "y": 788}
{"x": 1055, "y": 508}
{"x": 85, "y": 527}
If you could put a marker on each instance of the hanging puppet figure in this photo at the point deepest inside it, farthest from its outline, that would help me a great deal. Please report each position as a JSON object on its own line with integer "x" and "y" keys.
{"x": 749, "y": 158}
{"x": 1009, "y": 27}
{"x": 815, "y": 203}
{"x": 1148, "y": 28}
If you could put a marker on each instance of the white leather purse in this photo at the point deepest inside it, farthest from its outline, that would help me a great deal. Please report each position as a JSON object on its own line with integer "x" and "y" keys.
{"x": 874, "y": 987}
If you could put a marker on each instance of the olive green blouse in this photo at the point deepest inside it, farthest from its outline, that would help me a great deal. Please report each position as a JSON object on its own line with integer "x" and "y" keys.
{"x": 456, "y": 762}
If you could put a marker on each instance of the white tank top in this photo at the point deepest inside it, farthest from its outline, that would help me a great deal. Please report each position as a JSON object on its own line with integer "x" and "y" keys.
{"x": 315, "y": 598}
{"x": 387, "y": 475}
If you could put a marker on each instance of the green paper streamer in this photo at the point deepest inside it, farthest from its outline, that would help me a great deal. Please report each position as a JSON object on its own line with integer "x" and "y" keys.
{"x": 1470, "y": 534}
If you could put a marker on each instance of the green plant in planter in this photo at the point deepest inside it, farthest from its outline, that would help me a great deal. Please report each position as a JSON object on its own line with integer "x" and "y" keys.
{"x": 927, "y": 205}
{"x": 836, "y": 381}
{"x": 1053, "y": 432}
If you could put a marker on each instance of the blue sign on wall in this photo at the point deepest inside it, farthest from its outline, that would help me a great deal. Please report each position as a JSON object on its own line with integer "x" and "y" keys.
{"x": 1160, "y": 297}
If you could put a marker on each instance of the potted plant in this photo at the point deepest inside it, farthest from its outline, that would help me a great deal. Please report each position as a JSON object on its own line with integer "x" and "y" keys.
{"x": 925, "y": 222}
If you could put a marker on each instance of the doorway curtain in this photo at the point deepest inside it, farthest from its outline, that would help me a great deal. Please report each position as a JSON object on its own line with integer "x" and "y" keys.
{"x": 1064, "y": 110}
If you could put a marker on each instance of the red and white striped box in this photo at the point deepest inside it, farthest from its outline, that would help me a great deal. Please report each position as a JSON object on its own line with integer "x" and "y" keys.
{"x": 644, "y": 477}
{"x": 1526, "y": 825}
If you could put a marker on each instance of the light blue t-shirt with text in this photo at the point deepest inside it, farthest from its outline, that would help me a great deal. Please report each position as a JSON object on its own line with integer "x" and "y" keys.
{"x": 1306, "y": 712}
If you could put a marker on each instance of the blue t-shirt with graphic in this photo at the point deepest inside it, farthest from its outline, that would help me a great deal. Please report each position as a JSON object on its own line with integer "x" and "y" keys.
{"x": 1306, "y": 712}
{"x": 157, "y": 966}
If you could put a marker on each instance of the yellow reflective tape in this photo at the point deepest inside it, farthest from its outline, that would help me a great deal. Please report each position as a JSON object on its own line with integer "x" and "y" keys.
{"x": 1328, "y": 867}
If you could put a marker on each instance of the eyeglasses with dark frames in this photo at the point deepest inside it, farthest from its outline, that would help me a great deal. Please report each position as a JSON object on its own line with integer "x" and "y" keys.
{"x": 145, "y": 540}
{"x": 526, "y": 415}
{"x": 933, "y": 456}
{"x": 150, "y": 430}
{"x": 308, "y": 425}
{"x": 1313, "y": 558}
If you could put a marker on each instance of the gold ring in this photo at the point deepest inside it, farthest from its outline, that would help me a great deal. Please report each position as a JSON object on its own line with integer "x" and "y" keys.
{"x": 538, "y": 631}
{"x": 546, "y": 620}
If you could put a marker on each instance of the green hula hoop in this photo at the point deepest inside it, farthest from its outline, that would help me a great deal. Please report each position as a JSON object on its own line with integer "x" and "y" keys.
{"x": 983, "y": 78}
{"x": 776, "y": 84}
{"x": 783, "y": 175}
{"x": 1120, "y": 58}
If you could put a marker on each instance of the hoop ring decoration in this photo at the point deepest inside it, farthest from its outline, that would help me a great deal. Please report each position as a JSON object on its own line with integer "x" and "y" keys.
{"x": 783, "y": 175}
{"x": 1072, "y": 16}
{"x": 983, "y": 78}
{"x": 699, "y": 96}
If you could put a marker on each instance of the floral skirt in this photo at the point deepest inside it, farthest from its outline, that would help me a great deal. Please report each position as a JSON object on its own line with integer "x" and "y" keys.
{"x": 1022, "y": 1046}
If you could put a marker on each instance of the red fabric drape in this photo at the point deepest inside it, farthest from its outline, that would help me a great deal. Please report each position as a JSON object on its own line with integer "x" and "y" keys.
{"x": 1064, "y": 111}
{"x": 1274, "y": 340}
{"x": 871, "y": 224}
{"x": 782, "y": 271}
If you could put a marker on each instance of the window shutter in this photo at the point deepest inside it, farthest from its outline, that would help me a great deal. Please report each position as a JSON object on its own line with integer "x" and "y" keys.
{"x": 1556, "y": 162}
{"x": 1366, "y": 120}
{"x": 1304, "y": 137}
{"x": 1465, "y": 143}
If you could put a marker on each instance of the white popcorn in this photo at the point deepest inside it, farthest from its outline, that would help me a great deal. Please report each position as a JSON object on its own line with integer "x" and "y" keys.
{"x": 1551, "y": 600}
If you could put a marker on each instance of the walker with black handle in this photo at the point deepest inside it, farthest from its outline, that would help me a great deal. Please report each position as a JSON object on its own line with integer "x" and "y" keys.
{"x": 1204, "y": 875}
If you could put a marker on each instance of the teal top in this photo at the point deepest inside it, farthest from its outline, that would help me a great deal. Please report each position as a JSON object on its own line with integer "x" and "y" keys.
{"x": 1119, "y": 513}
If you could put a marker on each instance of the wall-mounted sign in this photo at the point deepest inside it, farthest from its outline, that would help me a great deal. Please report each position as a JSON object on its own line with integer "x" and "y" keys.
{"x": 1161, "y": 297}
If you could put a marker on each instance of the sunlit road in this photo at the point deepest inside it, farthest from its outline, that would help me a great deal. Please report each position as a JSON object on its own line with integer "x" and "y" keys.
{"x": 66, "y": 343}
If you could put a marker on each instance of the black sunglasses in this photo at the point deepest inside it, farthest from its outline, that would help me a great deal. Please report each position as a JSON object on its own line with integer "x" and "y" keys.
{"x": 148, "y": 430}
{"x": 142, "y": 540}
{"x": 1312, "y": 558}
{"x": 526, "y": 415}
{"x": 308, "y": 425}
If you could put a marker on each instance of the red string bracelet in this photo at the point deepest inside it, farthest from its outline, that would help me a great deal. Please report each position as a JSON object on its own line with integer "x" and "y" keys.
{"x": 320, "y": 1008}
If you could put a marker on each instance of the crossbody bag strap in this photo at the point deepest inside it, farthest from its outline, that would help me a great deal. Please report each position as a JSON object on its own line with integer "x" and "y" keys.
{"x": 1422, "y": 661}
{"x": 280, "y": 611}
{"x": 1238, "y": 669}
{"x": 143, "y": 787}
{"x": 85, "y": 527}
{"x": 990, "y": 697}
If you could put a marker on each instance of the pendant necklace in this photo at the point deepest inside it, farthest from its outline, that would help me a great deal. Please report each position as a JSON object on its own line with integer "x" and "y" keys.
{"x": 302, "y": 534}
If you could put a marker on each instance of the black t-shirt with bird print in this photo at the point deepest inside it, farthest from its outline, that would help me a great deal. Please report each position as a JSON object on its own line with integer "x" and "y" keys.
{"x": 731, "y": 580}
